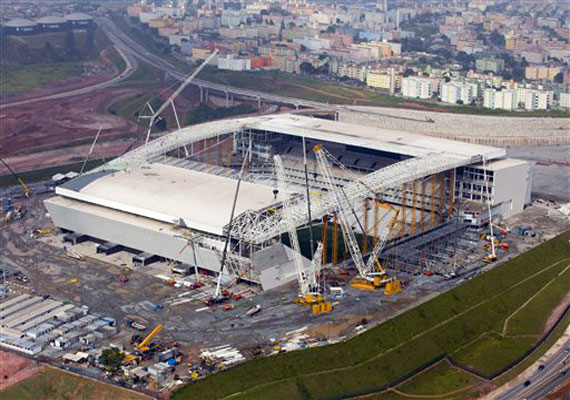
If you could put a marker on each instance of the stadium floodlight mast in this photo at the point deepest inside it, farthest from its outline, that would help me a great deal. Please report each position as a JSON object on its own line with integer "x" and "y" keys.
{"x": 156, "y": 115}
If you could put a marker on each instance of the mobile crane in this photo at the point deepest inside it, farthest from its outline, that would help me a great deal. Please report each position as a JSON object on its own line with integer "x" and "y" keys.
{"x": 369, "y": 277}
{"x": 309, "y": 293}
{"x": 143, "y": 346}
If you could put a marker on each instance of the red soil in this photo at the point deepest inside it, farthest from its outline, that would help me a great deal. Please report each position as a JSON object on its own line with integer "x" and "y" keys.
{"x": 14, "y": 368}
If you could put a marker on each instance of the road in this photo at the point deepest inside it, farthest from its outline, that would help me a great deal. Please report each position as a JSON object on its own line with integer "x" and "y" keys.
{"x": 130, "y": 46}
{"x": 543, "y": 381}
{"x": 131, "y": 67}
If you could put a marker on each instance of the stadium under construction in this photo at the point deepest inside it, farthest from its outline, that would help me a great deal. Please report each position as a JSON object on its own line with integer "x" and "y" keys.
{"x": 175, "y": 197}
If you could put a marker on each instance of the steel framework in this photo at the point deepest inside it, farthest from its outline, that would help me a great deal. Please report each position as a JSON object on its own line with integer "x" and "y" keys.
{"x": 262, "y": 226}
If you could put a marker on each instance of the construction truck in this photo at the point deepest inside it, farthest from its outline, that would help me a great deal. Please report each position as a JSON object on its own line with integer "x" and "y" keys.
{"x": 135, "y": 325}
{"x": 371, "y": 275}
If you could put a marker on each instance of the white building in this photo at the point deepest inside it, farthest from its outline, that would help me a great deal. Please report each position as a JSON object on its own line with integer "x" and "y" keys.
{"x": 564, "y": 100}
{"x": 500, "y": 99}
{"x": 535, "y": 99}
{"x": 453, "y": 92}
{"x": 419, "y": 88}
{"x": 234, "y": 64}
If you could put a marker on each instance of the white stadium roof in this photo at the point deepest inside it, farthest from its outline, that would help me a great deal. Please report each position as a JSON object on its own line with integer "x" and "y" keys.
{"x": 170, "y": 194}
{"x": 389, "y": 140}
{"x": 400, "y": 142}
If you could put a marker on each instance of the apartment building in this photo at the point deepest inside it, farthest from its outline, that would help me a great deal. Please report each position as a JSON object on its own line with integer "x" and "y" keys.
{"x": 541, "y": 73}
{"x": 457, "y": 92}
{"x": 500, "y": 99}
{"x": 417, "y": 87}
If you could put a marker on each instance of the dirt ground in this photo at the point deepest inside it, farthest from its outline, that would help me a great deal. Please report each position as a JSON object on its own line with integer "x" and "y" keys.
{"x": 57, "y": 124}
{"x": 14, "y": 368}
{"x": 96, "y": 71}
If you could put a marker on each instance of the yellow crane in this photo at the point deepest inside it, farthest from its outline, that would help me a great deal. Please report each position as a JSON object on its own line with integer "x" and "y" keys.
{"x": 369, "y": 277}
{"x": 27, "y": 190}
{"x": 143, "y": 346}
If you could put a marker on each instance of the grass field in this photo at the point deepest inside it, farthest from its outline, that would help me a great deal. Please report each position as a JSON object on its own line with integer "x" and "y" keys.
{"x": 440, "y": 379}
{"x": 492, "y": 352}
{"x": 529, "y": 320}
{"x": 54, "y": 384}
{"x": 145, "y": 75}
{"x": 131, "y": 107}
{"x": 22, "y": 78}
{"x": 445, "y": 324}
{"x": 117, "y": 60}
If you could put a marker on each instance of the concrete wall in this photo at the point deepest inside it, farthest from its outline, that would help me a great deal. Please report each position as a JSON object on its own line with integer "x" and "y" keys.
{"x": 512, "y": 187}
{"x": 137, "y": 237}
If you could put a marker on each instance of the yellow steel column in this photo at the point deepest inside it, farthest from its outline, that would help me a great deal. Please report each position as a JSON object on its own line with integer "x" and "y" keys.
{"x": 209, "y": 152}
{"x": 335, "y": 240}
{"x": 403, "y": 211}
{"x": 441, "y": 195}
{"x": 451, "y": 192}
{"x": 413, "y": 232}
{"x": 423, "y": 207}
{"x": 432, "y": 203}
{"x": 365, "y": 233}
{"x": 228, "y": 154}
{"x": 324, "y": 238}
{"x": 376, "y": 200}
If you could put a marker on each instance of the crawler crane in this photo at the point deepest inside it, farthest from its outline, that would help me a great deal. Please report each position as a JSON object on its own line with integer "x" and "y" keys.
{"x": 369, "y": 277}
{"x": 309, "y": 293}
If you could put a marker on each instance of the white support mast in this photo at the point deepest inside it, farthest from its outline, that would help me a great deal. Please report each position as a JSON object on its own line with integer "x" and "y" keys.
{"x": 175, "y": 94}
{"x": 349, "y": 236}
{"x": 307, "y": 281}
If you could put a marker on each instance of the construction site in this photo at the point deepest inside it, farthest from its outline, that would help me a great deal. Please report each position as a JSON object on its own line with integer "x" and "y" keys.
{"x": 240, "y": 238}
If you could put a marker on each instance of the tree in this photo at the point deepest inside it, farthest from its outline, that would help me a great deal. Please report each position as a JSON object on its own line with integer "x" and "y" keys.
{"x": 559, "y": 77}
{"x": 497, "y": 39}
{"x": 111, "y": 359}
{"x": 70, "y": 43}
{"x": 307, "y": 68}
{"x": 409, "y": 72}
{"x": 90, "y": 39}
{"x": 323, "y": 69}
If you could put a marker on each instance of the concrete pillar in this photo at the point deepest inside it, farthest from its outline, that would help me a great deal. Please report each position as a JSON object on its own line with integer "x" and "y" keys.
{"x": 258, "y": 102}
{"x": 206, "y": 93}
{"x": 227, "y": 98}
{"x": 201, "y": 94}
{"x": 296, "y": 106}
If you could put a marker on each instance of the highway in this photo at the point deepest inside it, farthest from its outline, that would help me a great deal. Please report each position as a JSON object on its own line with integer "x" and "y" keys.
{"x": 543, "y": 381}
{"x": 130, "y": 46}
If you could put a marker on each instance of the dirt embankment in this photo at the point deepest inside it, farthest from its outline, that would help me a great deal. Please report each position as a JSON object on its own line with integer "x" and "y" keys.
{"x": 13, "y": 369}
